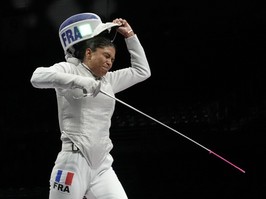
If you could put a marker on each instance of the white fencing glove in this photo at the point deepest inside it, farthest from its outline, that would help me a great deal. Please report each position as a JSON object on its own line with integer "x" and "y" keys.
{"x": 88, "y": 85}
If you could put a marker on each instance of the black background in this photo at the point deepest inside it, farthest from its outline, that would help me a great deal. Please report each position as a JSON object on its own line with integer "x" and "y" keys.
{"x": 208, "y": 82}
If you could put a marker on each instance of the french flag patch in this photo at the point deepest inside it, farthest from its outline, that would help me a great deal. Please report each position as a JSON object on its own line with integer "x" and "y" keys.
{"x": 64, "y": 177}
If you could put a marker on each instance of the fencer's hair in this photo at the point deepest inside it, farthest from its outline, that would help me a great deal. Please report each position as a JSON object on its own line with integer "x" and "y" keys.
{"x": 99, "y": 41}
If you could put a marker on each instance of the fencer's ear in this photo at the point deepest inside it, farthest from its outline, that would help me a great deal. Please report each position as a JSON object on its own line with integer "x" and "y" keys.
{"x": 88, "y": 52}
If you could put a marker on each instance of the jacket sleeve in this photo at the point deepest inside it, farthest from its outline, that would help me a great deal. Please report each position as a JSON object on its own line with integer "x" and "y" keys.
{"x": 137, "y": 72}
{"x": 59, "y": 76}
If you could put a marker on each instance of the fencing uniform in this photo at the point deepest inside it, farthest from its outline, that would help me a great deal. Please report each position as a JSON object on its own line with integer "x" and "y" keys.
{"x": 83, "y": 167}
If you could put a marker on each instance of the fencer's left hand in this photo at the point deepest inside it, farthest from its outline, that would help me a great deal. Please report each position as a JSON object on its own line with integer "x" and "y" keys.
{"x": 124, "y": 28}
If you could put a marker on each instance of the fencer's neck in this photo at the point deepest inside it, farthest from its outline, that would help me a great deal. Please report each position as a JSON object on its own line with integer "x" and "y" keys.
{"x": 88, "y": 68}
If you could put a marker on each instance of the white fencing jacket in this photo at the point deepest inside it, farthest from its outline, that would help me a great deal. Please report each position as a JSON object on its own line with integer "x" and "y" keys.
{"x": 86, "y": 121}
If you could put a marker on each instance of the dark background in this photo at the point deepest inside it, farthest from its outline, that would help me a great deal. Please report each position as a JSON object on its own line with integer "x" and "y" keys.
{"x": 208, "y": 83}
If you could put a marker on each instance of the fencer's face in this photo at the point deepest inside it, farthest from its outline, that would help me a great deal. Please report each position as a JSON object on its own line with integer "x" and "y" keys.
{"x": 101, "y": 60}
